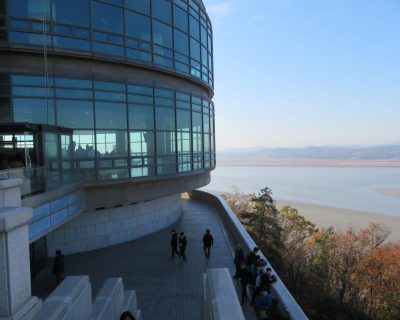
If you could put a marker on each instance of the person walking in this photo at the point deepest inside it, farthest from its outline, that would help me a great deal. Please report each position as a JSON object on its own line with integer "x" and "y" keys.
{"x": 182, "y": 246}
{"x": 58, "y": 266}
{"x": 174, "y": 244}
{"x": 208, "y": 241}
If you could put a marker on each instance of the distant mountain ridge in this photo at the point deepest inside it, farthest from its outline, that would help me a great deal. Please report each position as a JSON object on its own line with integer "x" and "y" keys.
{"x": 382, "y": 152}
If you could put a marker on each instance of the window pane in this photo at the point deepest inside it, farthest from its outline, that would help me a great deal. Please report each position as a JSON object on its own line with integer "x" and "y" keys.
{"x": 183, "y": 120}
{"x": 180, "y": 19}
{"x": 106, "y": 17}
{"x": 162, "y": 34}
{"x": 140, "y": 90}
{"x": 137, "y": 26}
{"x": 165, "y": 119}
{"x": 71, "y": 12}
{"x": 161, "y": 9}
{"x": 165, "y": 143}
{"x": 181, "y": 42}
{"x": 71, "y": 43}
{"x": 111, "y": 143}
{"x": 108, "y": 49}
{"x": 29, "y": 38}
{"x": 74, "y": 93}
{"x": 73, "y": 83}
{"x": 142, "y": 6}
{"x": 196, "y": 122}
{"x": 141, "y": 117}
{"x": 110, "y": 115}
{"x": 142, "y": 143}
{"x": 206, "y": 123}
{"x": 194, "y": 49}
{"x": 29, "y": 8}
{"x": 75, "y": 114}
{"x": 194, "y": 27}
{"x": 37, "y": 111}
{"x": 109, "y": 86}
{"x": 83, "y": 142}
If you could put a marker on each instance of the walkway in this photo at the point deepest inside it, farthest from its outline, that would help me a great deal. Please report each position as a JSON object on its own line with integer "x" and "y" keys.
{"x": 165, "y": 288}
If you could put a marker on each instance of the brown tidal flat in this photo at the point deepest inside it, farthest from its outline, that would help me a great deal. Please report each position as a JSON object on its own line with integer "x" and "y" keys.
{"x": 340, "y": 218}
{"x": 391, "y": 192}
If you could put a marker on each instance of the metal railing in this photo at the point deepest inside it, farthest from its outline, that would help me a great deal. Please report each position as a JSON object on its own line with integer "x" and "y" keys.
{"x": 287, "y": 303}
{"x": 39, "y": 179}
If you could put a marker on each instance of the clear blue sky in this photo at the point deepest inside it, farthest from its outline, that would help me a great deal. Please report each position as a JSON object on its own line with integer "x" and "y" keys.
{"x": 306, "y": 72}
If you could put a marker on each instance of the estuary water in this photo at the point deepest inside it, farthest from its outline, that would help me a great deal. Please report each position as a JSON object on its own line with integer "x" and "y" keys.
{"x": 341, "y": 187}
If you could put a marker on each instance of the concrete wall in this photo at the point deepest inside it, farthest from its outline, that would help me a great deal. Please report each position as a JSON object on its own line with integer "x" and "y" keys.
{"x": 220, "y": 301}
{"x": 287, "y": 303}
{"x": 101, "y": 228}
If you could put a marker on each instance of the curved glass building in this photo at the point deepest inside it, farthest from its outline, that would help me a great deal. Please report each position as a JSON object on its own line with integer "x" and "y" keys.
{"x": 115, "y": 91}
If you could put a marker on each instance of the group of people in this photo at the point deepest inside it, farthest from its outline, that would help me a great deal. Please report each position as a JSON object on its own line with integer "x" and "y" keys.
{"x": 253, "y": 273}
{"x": 181, "y": 242}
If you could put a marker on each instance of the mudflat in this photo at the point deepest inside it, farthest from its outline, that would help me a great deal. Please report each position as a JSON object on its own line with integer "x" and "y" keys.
{"x": 341, "y": 218}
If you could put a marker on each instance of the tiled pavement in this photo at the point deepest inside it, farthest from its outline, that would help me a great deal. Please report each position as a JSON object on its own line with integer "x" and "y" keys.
{"x": 165, "y": 288}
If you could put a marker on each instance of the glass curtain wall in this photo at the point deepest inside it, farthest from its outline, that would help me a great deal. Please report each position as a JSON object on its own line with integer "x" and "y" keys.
{"x": 120, "y": 130}
{"x": 169, "y": 34}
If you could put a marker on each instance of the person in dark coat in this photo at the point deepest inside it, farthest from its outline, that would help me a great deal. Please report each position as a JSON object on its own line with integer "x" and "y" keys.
{"x": 244, "y": 276}
{"x": 208, "y": 241}
{"x": 238, "y": 260}
{"x": 127, "y": 315}
{"x": 174, "y": 244}
{"x": 252, "y": 257}
{"x": 58, "y": 266}
{"x": 182, "y": 246}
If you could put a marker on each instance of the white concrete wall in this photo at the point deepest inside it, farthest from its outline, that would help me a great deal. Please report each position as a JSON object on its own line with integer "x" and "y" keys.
{"x": 103, "y": 228}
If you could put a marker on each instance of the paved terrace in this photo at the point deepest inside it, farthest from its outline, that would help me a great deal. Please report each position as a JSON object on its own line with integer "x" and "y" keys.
{"x": 165, "y": 288}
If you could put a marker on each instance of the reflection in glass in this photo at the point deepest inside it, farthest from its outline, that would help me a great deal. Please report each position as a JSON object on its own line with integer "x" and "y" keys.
{"x": 141, "y": 117}
{"x": 165, "y": 143}
{"x": 83, "y": 142}
{"x": 137, "y": 26}
{"x": 161, "y": 9}
{"x": 111, "y": 144}
{"x": 142, "y": 6}
{"x": 162, "y": 34}
{"x": 142, "y": 143}
{"x": 71, "y": 11}
{"x": 107, "y": 18}
{"x": 40, "y": 111}
{"x": 110, "y": 115}
{"x": 165, "y": 118}
{"x": 75, "y": 114}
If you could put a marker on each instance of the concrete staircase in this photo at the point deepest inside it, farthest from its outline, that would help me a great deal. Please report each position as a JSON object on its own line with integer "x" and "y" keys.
{"x": 72, "y": 299}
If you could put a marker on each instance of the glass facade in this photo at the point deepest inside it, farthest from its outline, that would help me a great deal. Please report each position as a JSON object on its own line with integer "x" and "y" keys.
{"x": 172, "y": 34}
{"x": 120, "y": 130}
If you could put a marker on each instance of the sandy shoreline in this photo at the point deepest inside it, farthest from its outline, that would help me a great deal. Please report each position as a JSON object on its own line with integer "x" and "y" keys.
{"x": 391, "y": 192}
{"x": 340, "y": 218}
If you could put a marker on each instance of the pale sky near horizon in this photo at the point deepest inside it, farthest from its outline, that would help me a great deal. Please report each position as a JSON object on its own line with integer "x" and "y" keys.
{"x": 292, "y": 73}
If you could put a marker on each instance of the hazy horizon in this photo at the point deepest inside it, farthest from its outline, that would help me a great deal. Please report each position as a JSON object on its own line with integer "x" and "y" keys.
{"x": 292, "y": 73}
{"x": 312, "y": 146}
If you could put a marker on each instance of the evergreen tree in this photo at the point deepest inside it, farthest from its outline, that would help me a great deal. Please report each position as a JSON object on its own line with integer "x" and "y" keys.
{"x": 263, "y": 220}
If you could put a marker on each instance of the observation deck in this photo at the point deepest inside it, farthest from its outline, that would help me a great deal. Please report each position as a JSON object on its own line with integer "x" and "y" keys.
{"x": 164, "y": 286}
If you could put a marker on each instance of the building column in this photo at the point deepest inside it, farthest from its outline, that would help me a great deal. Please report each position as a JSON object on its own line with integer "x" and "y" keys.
{"x": 16, "y": 301}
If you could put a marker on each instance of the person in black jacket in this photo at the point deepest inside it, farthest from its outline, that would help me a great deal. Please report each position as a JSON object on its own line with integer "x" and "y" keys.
{"x": 245, "y": 276}
{"x": 238, "y": 260}
{"x": 174, "y": 244}
{"x": 208, "y": 241}
{"x": 182, "y": 246}
{"x": 58, "y": 266}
